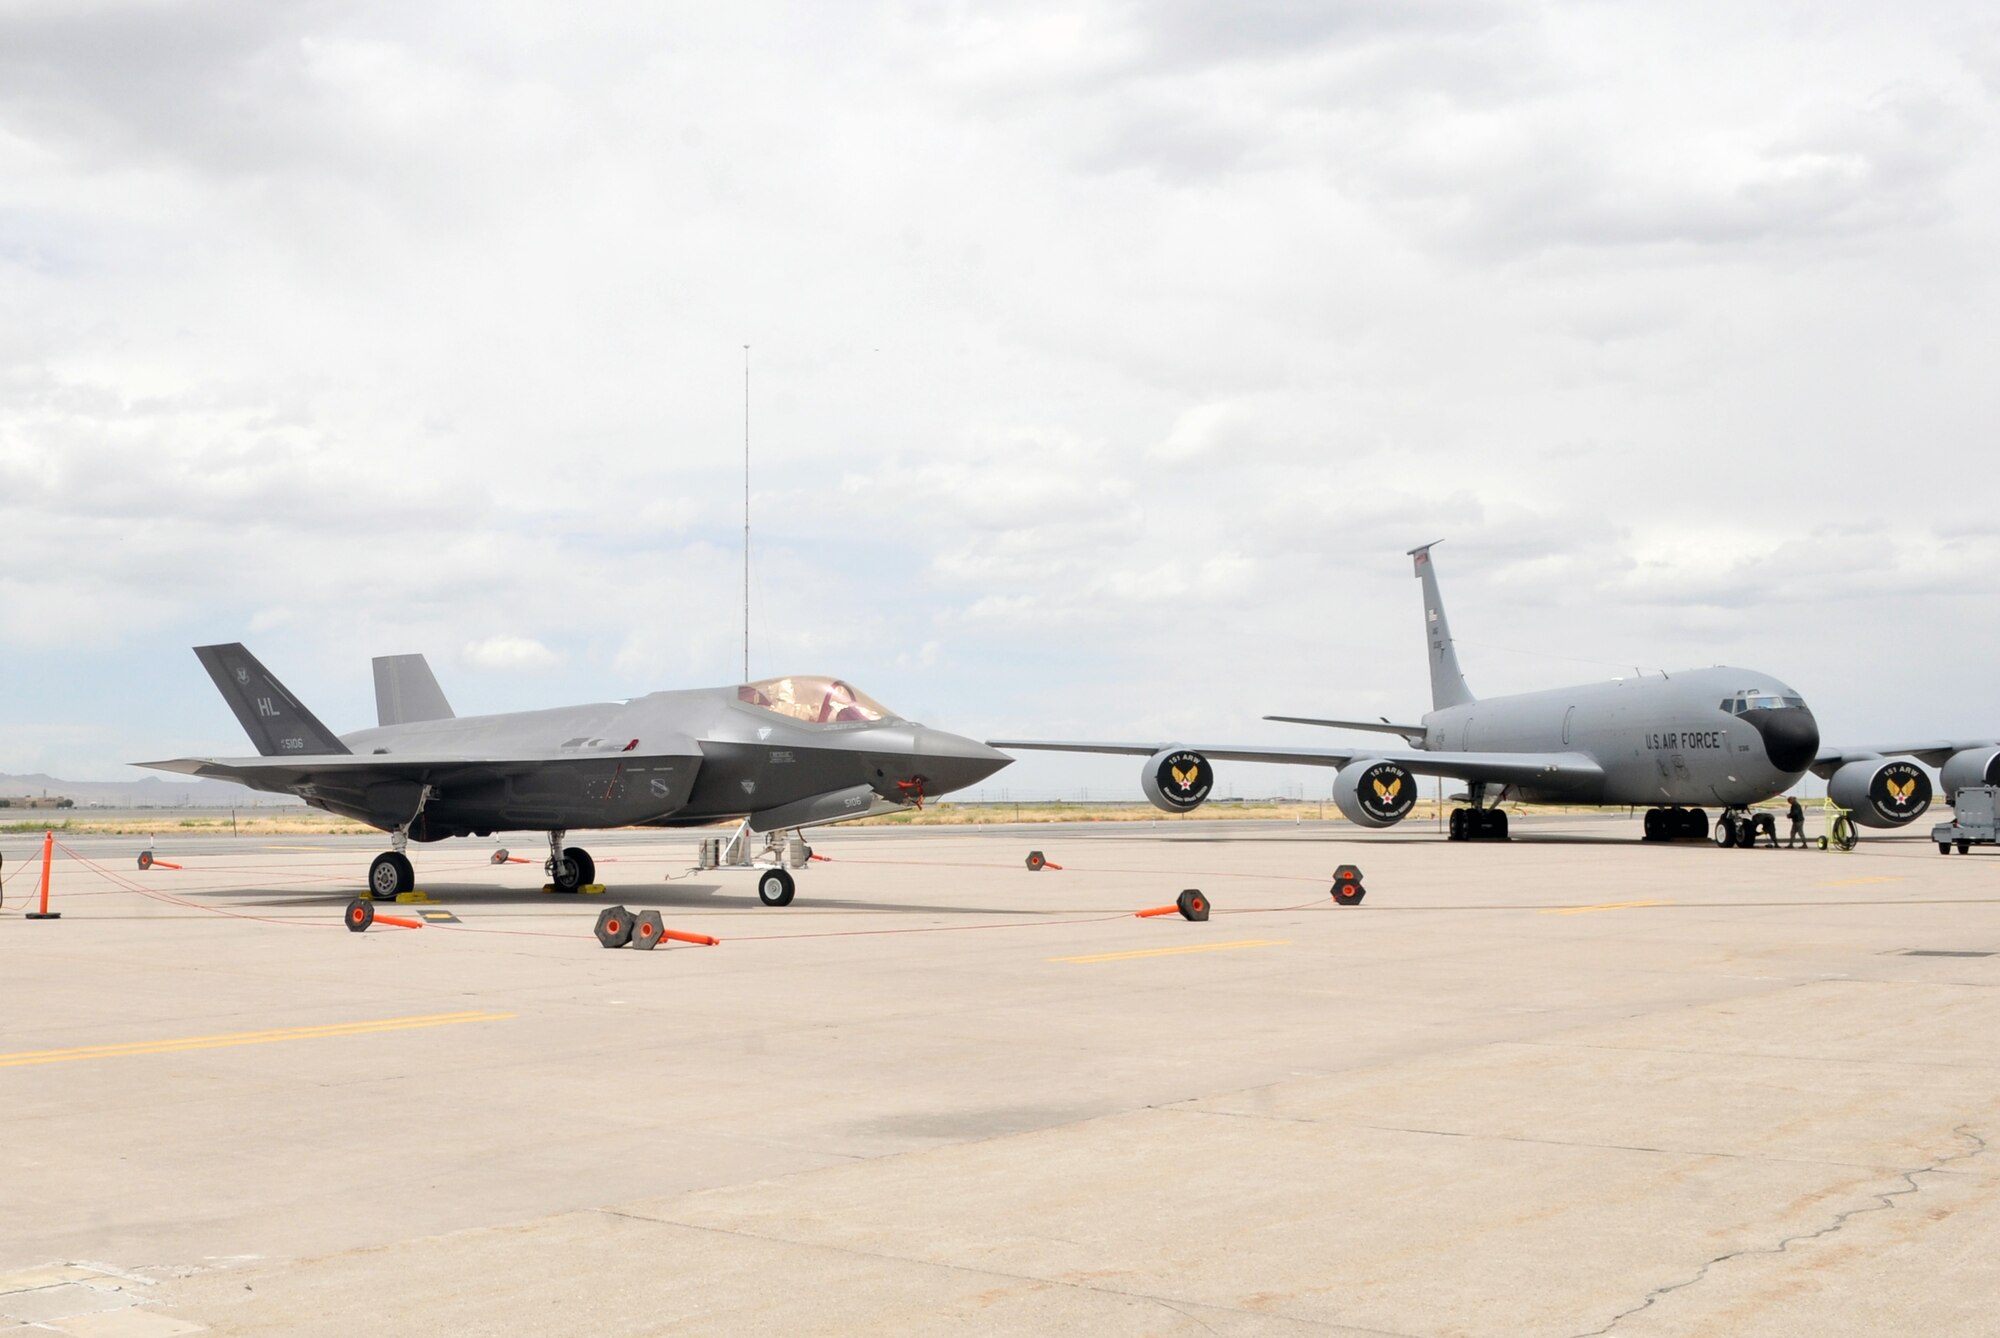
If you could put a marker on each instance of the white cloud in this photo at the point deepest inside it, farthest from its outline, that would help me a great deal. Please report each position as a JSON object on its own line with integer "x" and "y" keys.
{"x": 1083, "y": 345}
{"x": 509, "y": 653}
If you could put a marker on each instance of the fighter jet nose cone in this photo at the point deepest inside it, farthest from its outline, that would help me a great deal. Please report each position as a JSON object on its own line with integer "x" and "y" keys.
{"x": 954, "y": 762}
{"x": 1791, "y": 736}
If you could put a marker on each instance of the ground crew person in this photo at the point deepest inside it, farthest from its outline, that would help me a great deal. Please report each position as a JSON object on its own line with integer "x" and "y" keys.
{"x": 1797, "y": 816}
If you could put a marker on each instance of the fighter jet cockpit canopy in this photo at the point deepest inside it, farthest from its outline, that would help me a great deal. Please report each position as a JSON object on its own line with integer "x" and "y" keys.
{"x": 814, "y": 699}
{"x": 1755, "y": 699}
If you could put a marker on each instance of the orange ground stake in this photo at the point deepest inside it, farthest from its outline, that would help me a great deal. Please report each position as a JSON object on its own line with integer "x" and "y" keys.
{"x": 400, "y": 921}
{"x": 48, "y": 857}
{"x": 1158, "y": 910}
{"x": 679, "y": 937}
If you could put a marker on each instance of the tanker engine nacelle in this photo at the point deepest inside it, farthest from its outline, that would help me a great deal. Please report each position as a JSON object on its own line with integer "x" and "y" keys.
{"x": 1374, "y": 793}
{"x": 1177, "y": 780}
{"x": 1974, "y": 766}
{"x": 1881, "y": 792}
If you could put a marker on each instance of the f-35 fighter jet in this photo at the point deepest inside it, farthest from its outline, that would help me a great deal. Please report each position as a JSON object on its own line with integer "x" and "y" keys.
{"x": 781, "y": 755}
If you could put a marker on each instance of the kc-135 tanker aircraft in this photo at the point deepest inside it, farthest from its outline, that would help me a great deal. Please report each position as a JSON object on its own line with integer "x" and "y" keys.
{"x": 1671, "y": 744}
{"x": 782, "y": 754}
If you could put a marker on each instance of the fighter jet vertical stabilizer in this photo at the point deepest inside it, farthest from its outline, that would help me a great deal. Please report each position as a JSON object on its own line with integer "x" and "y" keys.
{"x": 406, "y": 691}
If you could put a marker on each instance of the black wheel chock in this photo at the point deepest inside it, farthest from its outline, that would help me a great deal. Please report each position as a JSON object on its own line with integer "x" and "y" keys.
{"x": 614, "y": 926}
{"x": 1347, "y": 888}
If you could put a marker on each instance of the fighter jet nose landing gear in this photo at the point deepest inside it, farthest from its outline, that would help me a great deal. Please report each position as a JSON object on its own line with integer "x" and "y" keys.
{"x": 775, "y": 887}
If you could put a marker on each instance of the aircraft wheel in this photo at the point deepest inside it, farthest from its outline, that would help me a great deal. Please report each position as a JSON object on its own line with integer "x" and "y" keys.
{"x": 391, "y": 874}
{"x": 1458, "y": 824}
{"x": 1725, "y": 831}
{"x": 586, "y": 867}
{"x": 1697, "y": 824}
{"x": 566, "y": 875}
{"x": 1496, "y": 826}
{"x": 1652, "y": 824}
{"x": 775, "y": 887}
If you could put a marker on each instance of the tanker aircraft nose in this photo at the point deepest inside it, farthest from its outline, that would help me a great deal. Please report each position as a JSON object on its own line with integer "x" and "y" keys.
{"x": 1791, "y": 736}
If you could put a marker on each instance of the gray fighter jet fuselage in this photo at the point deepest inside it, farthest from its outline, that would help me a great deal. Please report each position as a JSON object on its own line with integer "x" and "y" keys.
{"x": 780, "y": 754}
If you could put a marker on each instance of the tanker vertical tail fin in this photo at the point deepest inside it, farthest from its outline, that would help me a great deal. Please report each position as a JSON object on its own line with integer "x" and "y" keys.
{"x": 1447, "y": 680}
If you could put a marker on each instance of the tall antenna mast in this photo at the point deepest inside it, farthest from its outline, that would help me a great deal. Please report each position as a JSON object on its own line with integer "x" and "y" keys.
{"x": 746, "y": 513}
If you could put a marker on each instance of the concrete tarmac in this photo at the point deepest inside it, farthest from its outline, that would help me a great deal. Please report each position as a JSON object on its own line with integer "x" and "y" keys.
{"x": 1569, "y": 1085}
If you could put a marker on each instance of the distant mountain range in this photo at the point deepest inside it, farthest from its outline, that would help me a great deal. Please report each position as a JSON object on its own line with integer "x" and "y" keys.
{"x": 152, "y": 792}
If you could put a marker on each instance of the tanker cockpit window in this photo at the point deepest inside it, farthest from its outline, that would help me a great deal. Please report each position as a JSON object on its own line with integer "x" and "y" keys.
{"x": 1762, "y": 701}
{"x": 814, "y": 700}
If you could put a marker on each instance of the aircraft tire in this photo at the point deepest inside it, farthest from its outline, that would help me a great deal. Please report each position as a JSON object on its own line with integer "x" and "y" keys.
{"x": 391, "y": 874}
{"x": 1653, "y": 824}
{"x": 1725, "y": 831}
{"x": 586, "y": 867}
{"x": 775, "y": 887}
{"x": 1697, "y": 824}
{"x": 1496, "y": 826}
{"x": 1458, "y": 824}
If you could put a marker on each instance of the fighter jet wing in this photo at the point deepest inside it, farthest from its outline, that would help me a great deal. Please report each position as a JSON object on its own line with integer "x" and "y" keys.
{"x": 1931, "y": 752}
{"x": 349, "y": 769}
{"x": 1542, "y": 769}
{"x": 386, "y": 780}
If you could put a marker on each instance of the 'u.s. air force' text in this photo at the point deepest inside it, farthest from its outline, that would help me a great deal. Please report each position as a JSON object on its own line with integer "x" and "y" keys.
{"x": 1685, "y": 739}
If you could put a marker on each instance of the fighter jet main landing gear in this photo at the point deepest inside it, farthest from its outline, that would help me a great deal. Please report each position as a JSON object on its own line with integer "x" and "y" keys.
{"x": 1676, "y": 824}
{"x": 391, "y": 875}
{"x": 570, "y": 869}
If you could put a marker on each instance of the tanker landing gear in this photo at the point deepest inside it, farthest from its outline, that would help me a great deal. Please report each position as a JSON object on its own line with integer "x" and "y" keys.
{"x": 1479, "y": 823}
{"x": 1740, "y": 827}
{"x": 1677, "y": 824}
{"x": 569, "y": 870}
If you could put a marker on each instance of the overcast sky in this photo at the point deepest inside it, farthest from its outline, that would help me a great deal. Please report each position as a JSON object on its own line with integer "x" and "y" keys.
{"x": 1105, "y": 358}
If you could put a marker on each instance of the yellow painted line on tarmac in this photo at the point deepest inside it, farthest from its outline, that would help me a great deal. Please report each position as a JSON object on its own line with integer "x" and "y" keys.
{"x": 1176, "y": 952}
{"x": 25, "y": 1057}
{"x": 1866, "y": 882}
{"x": 1606, "y": 906}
